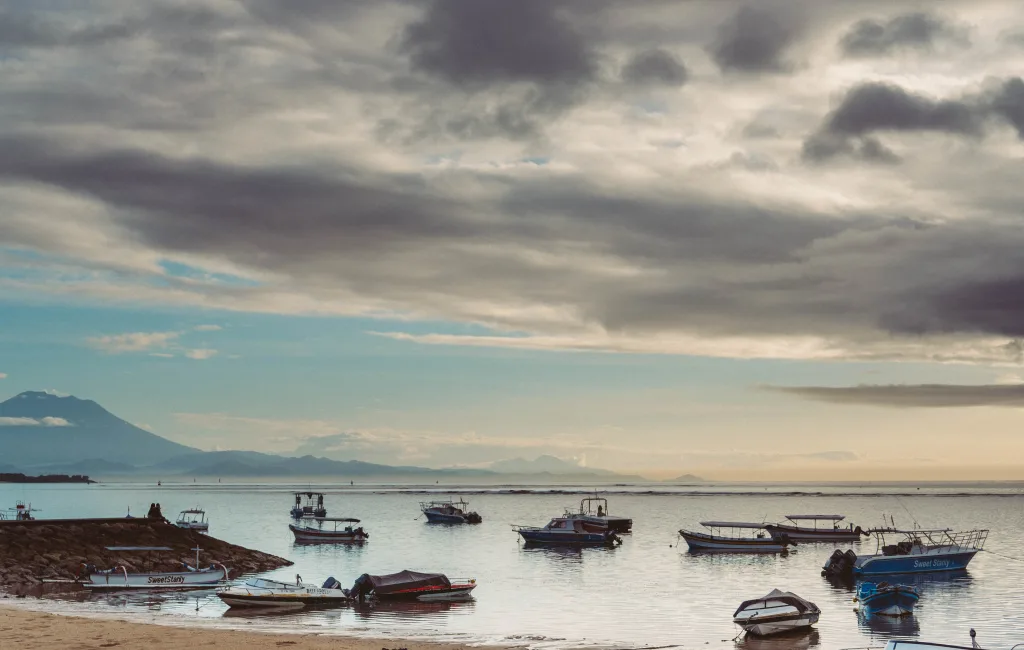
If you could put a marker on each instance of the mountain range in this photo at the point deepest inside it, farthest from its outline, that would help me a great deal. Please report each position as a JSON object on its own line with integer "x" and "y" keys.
{"x": 45, "y": 432}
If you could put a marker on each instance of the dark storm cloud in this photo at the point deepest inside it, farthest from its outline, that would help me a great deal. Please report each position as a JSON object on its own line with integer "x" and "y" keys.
{"x": 655, "y": 66}
{"x": 1008, "y": 103}
{"x": 994, "y": 306}
{"x": 755, "y": 39}
{"x": 918, "y": 30}
{"x": 913, "y": 396}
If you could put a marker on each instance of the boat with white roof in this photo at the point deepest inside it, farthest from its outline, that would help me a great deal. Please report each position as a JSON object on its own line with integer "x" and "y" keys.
{"x": 822, "y": 528}
{"x": 920, "y": 551}
{"x": 727, "y": 536}
{"x": 193, "y": 519}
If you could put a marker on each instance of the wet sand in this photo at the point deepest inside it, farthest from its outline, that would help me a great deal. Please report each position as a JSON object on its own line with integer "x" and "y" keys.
{"x": 28, "y": 630}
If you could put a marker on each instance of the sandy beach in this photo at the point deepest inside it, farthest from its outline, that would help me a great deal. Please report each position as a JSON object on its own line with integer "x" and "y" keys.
{"x": 30, "y": 630}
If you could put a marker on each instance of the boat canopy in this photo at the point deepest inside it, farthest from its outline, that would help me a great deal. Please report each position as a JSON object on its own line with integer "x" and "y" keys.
{"x": 345, "y": 519}
{"x": 816, "y": 517}
{"x": 403, "y": 581}
{"x": 787, "y": 597}
{"x": 731, "y": 524}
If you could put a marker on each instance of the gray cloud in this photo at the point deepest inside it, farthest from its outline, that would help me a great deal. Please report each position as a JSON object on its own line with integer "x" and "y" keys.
{"x": 913, "y": 396}
{"x": 23, "y": 28}
{"x": 655, "y": 66}
{"x": 755, "y": 39}
{"x": 918, "y": 30}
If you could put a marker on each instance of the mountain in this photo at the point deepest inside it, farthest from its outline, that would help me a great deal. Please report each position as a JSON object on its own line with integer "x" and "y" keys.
{"x": 250, "y": 463}
{"x": 544, "y": 465}
{"x": 685, "y": 478}
{"x": 40, "y": 428}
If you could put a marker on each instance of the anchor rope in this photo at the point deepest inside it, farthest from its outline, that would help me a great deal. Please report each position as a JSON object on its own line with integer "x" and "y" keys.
{"x": 1005, "y": 557}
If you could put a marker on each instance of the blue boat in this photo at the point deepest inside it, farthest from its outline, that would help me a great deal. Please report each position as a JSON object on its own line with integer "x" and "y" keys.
{"x": 887, "y": 600}
{"x": 920, "y": 551}
{"x": 449, "y": 512}
{"x": 566, "y": 531}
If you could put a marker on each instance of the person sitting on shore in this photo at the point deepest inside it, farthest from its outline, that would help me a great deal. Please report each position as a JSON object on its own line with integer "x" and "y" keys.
{"x": 152, "y": 511}
{"x": 157, "y": 513}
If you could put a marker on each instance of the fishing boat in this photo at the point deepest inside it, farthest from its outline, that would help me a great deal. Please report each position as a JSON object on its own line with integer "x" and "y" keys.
{"x": 822, "y": 528}
{"x": 714, "y": 540}
{"x": 565, "y": 531}
{"x": 919, "y": 551}
{"x": 341, "y": 530}
{"x": 449, "y": 512}
{"x": 260, "y": 592}
{"x": 193, "y": 519}
{"x": 777, "y": 612}
{"x": 594, "y": 515}
{"x": 312, "y": 507}
{"x": 899, "y": 644}
{"x": 189, "y": 577}
{"x": 20, "y": 512}
{"x": 411, "y": 585}
{"x": 886, "y": 599}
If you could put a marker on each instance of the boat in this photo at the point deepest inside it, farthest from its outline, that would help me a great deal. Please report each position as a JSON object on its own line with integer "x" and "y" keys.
{"x": 318, "y": 534}
{"x": 193, "y": 519}
{"x": 597, "y": 518}
{"x": 829, "y": 532}
{"x": 899, "y": 644}
{"x": 449, "y": 512}
{"x": 261, "y": 592}
{"x": 411, "y": 585}
{"x": 886, "y": 599}
{"x": 714, "y": 540}
{"x": 565, "y": 531}
{"x": 21, "y": 512}
{"x": 920, "y": 551}
{"x": 190, "y": 577}
{"x": 777, "y": 612}
{"x": 313, "y": 506}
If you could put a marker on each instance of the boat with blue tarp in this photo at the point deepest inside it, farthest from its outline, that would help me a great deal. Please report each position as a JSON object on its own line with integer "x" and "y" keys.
{"x": 886, "y": 599}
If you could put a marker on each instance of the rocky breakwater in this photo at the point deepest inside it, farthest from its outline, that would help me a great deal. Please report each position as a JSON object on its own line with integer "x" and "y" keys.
{"x": 34, "y": 551}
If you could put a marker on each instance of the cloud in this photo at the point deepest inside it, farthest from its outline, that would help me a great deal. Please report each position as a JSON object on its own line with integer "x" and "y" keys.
{"x": 132, "y": 341}
{"x": 162, "y": 355}
{"x": 23, "y": 28}
{"x": 913, "y": 395}
{"x": 200, "y": 353}
{"x": 34, "y": 422}
{"x": 755, "y": 39}
{"x": 918, "y": 30}
{"x": 207, "y": 328}
{"x": 3, "y": 375}
{"x": 655, "y": 66}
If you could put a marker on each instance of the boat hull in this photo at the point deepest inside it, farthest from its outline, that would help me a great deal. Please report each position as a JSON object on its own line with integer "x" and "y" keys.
{"x": 804, "y": 534}
{"x": 871, "y": 565}
{"x": 284, "y": 601}
{"x": 313, "y": 536}
{"x": 550, "y": 538}
{"x": 199, "y": 528}
{"x": 442, "y": 518}
{"x": 770, "y": 625}
{"x": 456, "y": 592}
{"x": 702, "y": 542}
{"x": 175, "y": 580}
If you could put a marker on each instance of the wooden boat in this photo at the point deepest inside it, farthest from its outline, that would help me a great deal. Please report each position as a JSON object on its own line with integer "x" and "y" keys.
{"x": 313, "y": 506}
{"x": 189, "y": 578}
{"x": 777, "y": 612}
{"x": 260, "y": 592}
{"x": 449, "y": 512}
{"x": 340, "y": 531}
{"x": 193, "y": 519}
{"x": 921, "y": 551}
{"x": 411, "y": 585}
{"x": 714, "y": 540}
{"x": 829, "y": 531}
{"x": 594, "y": 515}
{"x": 565, "y": 531}
{"x": 885, "y": 599}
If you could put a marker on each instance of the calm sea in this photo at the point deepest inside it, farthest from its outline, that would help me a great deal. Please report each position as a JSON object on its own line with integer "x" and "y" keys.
{"x": 649, "y": 592}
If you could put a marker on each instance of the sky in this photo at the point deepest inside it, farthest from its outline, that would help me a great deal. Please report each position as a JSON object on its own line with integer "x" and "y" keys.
{"x": 766, "y": 240}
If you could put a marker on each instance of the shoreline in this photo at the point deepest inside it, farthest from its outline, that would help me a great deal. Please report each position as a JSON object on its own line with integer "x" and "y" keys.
{"x": 32, "y": 629}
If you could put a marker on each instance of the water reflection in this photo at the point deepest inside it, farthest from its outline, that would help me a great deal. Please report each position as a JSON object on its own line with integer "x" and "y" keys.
{"x": 889, "y": 626}
{"x": 794, "y": 641}
{"x": 406, "y": 610}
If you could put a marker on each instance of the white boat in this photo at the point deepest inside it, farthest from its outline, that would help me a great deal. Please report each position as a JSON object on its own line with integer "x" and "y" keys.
{"x": 715, "y": 540}
{"x": 193, "y": 519}
{"x": 341, "y": 531}
{"x": 189, "y": 577}
{"x": 777, "y": 612}
{"x": 260, "y": 592}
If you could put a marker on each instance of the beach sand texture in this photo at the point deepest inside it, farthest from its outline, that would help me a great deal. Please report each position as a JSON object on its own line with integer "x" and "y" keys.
{"x": 28, "y": 630}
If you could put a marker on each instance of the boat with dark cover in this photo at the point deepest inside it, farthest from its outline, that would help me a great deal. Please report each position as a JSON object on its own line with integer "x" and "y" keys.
{"x": 594, "y": 515}
{"x": 411, "y": 585}
{"x": 566, "y": 531}
{"x": 776, "y": 612}
{"x": 449, "y": 512}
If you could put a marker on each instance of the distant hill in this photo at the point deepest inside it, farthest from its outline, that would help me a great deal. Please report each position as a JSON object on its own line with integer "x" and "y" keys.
{"x": 249, "y": 463}
{"x": 40, "y": 428}
{"x": 544, "y": 465}
{"x": 685, "y": 478}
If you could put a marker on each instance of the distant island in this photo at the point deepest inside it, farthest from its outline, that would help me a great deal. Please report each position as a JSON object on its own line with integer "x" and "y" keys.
{"x": 44, "y": 478}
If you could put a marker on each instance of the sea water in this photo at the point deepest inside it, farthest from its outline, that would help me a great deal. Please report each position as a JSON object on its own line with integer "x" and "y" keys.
{"x": 648, "y": 592}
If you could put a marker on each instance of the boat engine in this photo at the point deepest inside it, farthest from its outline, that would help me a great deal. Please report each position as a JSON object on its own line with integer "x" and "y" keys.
{"x": 331, "y": 583}
{"x": 840, "y": 564}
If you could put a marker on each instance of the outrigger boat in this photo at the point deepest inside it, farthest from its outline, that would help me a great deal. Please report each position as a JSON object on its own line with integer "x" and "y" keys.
{"x": 194, "y": 519}
{"x": 830, "y": 532}
{"x": 597, "y": 518}
{"x": 713, "y": 540}
{"x": 885, "y": 599}
{"x": 260, "y": 592}
{"x": 449, "y": 512}
{"x": 777, "y": 612}
{"x": 411, "y": 585}
{"x": 190, "y": 577}
{"x": 920, "y": 551}
{"x": 565, "y": 531}
{"x": 311, "y": 534}
{"x": 313, "y": 507}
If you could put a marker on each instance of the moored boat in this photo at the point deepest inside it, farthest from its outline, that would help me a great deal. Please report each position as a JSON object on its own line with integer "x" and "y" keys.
{"x": 885, "y": 599}
{"x": 823, "y": 528}
{"x": 411, "y": 585}
{"x": 120, "y": 578}
{"x": 312, "y": 507}
{"x": 920, "y": 551}
{"x": 341, "y": 530}
{"x": 193, "y": 519}
{"x": 565, "y": 531}
{"x": 260, "y": 592}
{"x": 714, "y": 540}
{"x": 594, "y": 515}
{"x": 776, "y": 612}
{"x": 449, "y": 512}
{"x": 900, "y": 644}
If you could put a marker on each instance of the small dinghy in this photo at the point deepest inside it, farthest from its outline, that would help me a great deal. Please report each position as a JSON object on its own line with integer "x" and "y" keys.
{"x": 449, "y": 512}
{"x": 567, "y": 531}
{"x": 887, "y": 600}
{"x": 411, "y": 585}
{"x": 776, "y": 612}
{"x": 260, "y": 592}
{"x": 342, "y": 531}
